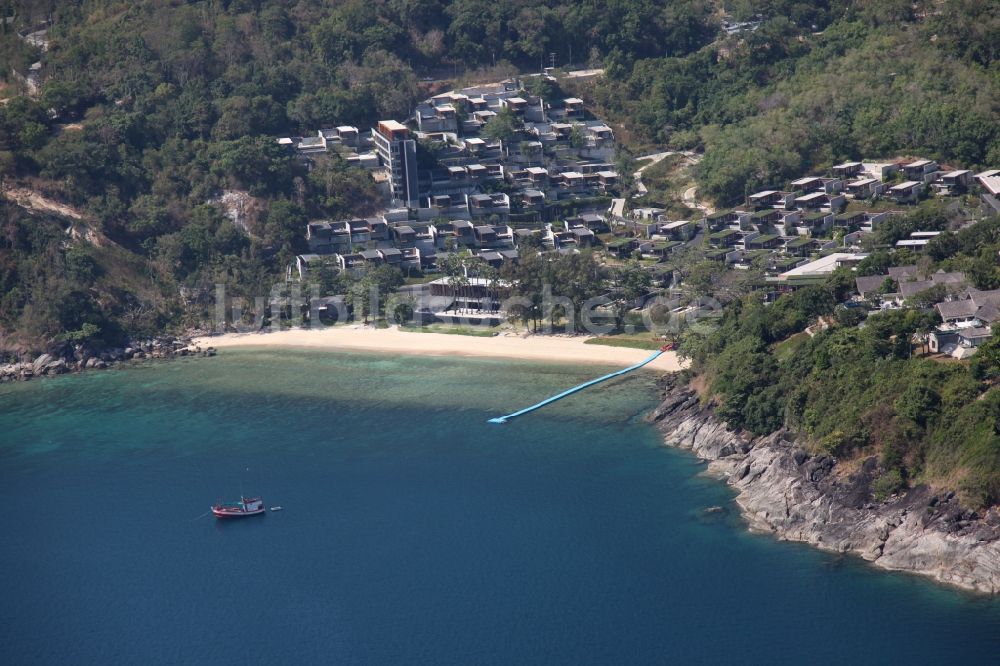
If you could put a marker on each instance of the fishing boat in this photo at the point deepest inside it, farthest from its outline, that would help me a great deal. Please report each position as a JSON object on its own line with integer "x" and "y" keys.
{"x": 247, "y": 506}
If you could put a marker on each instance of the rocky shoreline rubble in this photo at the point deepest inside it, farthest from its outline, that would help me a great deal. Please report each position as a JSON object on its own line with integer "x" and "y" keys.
{"x": 64, "y": 357}
{"x": 784, "y": 490}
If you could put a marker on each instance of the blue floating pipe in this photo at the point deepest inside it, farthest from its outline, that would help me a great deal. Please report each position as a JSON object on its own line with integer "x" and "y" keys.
{"x": 504, "y": 419}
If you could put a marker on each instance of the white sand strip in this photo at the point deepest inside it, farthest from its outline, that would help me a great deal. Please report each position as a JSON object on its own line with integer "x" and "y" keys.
{"x": 547, "y": 348}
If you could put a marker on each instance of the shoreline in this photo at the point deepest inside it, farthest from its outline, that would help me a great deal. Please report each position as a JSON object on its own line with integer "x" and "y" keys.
{"x": 784, "y": 491}
{"x": 65, "y": 358}
{"x": 542, "y": 348}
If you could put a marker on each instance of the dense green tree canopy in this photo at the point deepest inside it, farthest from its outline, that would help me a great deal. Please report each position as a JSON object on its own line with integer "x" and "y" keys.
{"x": 818, "y": 83}
{"x": 858, "y": 387}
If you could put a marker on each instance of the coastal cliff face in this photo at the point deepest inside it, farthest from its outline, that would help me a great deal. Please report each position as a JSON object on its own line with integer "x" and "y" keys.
{"x": 784, "y": 490}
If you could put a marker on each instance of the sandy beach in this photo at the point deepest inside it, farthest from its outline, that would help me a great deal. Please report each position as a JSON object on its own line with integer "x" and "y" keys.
{"x": 549, "y": 348}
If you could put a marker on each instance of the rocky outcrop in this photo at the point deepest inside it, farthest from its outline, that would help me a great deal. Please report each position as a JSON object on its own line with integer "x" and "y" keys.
{"x": 784, "y": 490}
{"x": 65, "y": 357}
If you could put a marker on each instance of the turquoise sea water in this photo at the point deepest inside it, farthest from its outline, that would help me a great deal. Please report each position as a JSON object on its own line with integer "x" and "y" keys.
{"x": 413, "y": 531}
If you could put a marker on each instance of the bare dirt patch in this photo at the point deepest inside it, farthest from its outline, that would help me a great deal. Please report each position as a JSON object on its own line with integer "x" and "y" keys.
{"x": 34, "y": 201}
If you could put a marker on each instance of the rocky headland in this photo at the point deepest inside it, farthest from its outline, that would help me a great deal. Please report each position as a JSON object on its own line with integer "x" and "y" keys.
{"x": 784, "y": 490}
{"x": 64, "y": 357}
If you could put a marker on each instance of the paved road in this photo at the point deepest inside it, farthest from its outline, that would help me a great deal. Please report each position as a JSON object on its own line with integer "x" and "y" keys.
{"x": 655, "y": 158}
{"x": 618, "y": 207}
{"x": 690, "y": 197}
{"x": 637, "y": 176}
{"x": 690, "y": 194}
{"x": 584, "y": 73}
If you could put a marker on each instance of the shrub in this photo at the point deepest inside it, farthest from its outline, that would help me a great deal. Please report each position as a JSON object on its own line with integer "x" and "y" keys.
{"x": 887, "y": 484}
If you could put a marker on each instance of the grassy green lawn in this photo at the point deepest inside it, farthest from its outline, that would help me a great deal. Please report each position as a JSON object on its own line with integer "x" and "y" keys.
{"x": 643, "y": 340}
{"x": 452, "y": 330}
{"x": 424, "y": 279}
{"x": 785, "y": 349}
{"x": 877, "y": 206}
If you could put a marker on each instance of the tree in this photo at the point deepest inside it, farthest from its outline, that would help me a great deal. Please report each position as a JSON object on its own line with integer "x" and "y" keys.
{"x": 284, "y": 226}
{"x": 575, "y": 277}
{"x": 399, "y": 308}
{"x": 544, "y": 87}
{"x": 888, "y": 286}
{"x": 370, "y": 293}
{"x": 338, "y": 190}
{"x": 986, "y": 362}
{"x": 628, "y": 282}
{"x": 746, "y": 377}
{"x": 257, "y": 163}
{"x": 918, "y": 403}
{"x": 386, "y": 280}
{"x": 876, "y": 263}
{"x": 701, "y": 277}
{"x": 849, "y": 317}
{"x": 327, "y": 278}
{"x": 504, "y": 126}
{"x": 492, "y": 277}
{"x": 453, "y": 266}
{"x": 528, "y": 277}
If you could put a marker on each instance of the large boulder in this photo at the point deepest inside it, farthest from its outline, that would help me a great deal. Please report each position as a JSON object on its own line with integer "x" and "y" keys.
{"x": 56, "y": 367}
{"x": 41, "y": 362}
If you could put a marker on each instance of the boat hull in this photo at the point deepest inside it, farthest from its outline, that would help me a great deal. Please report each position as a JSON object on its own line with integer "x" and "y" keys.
{"x": 247, "y": 506}
{"x": 235, "y": 513}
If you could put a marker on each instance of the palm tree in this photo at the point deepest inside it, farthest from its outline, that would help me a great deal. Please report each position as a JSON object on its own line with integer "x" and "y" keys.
{"x": 492, "y": 276}
{"x": 454, "y": 268}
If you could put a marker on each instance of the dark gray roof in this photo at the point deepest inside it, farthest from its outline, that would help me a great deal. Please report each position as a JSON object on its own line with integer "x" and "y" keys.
{"x": 903, "y": 272}
{"x": 867, "y": 284}
{"x": 914, "y": 287}
{"x": 977, "y": 332}
{"x": 941, "y": 277}
{"x": 988, "y": 313}
{"x": 983, "y": 297}
{"x": 957, "y": 309}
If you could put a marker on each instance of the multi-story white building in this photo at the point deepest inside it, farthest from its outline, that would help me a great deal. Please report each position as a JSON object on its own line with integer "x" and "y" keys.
{"x": 397, "y": 152}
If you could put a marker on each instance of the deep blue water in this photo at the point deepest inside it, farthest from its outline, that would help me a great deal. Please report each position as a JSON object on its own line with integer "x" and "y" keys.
{"x": 413, "y": 531}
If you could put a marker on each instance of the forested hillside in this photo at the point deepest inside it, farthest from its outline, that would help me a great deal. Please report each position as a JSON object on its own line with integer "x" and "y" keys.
{"x": 150, "y": 111}
{"x": 857, "y": 391}
{"x": 821, "y": 83}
